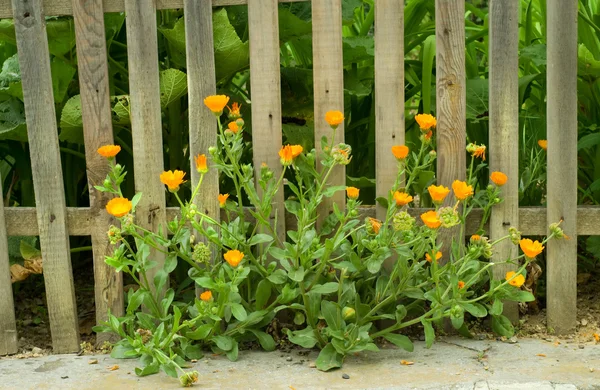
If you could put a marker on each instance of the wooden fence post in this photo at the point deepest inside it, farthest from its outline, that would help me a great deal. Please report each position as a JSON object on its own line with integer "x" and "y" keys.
{"x": 8, "y": 326}
{"x": 34, "y": 60}
{"x": 562, "y": 163}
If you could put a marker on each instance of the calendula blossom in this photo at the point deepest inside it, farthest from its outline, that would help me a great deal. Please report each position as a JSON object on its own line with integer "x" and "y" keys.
{"x": 334, "y": 118}
{"x": 431, "y": 220}
{"x": 513, "y": 280}
{"x": 201, "y": 165}
{"x": 119, "y": 207}
{"x": 233, "y": 126}
{"x": 373, "y": 225}
{"x": 352, "y": 192}
{"x": 498, "y": 178}
{"x": 172, "y": 179}
{"x": 223, "y": 199}
{"x": 425, "y": 121}
{"x": 109, "y": 151}
{"x": 438, "y": 193}
{"x": 234, "y": 111}
{"x": 288, "y": 153}
{"x": 438, "y": 255}
{"x": 206, "y": 296}
{"x": 233, "y": 257}
{"x": 543, "y": 144}
{"x": 531, "y": 248}
{"x": 461, "y": 284}
{"x": 402, "y": 198}
{"x": 216, "y": 103}
{"x": 461, "y": 190}
{"x": 400, "y": 152}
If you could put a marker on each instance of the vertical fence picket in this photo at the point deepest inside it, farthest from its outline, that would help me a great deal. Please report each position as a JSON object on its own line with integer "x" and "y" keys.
{"x": 389, "y": 93}
{"x": 201, "y": 83}
{"x": 34, "y": 60}
{"x": 97, "y": 130}
{"x": 8, "y": 326}
{"x": 451, "y": 100}
{"x": 146, "y": 128}
{"x": 328, "y": 77}
{"x": 265, "y": 84}
{"x": 562, "y": 162}
{"x": 504, "y": 131}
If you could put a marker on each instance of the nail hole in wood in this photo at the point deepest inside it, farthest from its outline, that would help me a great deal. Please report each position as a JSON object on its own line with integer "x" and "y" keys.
{"x": 26, "y": 14}
{"x": 52, "y": 218}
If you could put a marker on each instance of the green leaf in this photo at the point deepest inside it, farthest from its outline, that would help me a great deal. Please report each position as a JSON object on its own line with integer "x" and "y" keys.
{"x": 12, "y": 120}
{"x": 288, "y": 294}
{"x": 502, "y": 326}
{"x": 304, "y": 338}
{"x": 278, "y": 277}
{"x": 266, "y": 340}
{"x": 173, "y": 85}
{"x": 223, "y": 342}
{"x": 10, "y": 78}
{"x": 71, "y": 121}
{"x": 297, "y": 275}
{"x": 238, "y": 311}
{"x": 61, "y": 35}
{"x": 458, "y": 319}
{"x": 429, "y": 333}
{"x": 200, "y": 333}
{"x": 326, "y": 288}
{"x": 588, "y": 141}
{"x": 231, "y": 54}
{"x": 29, "y": 252}
{"x": 120, "y": 351}
{"x": 329, "y": 358}
{"x": 330, "y": 191}
{"x": 263, "y": 293}
{"x": 150, "y": 369}
{"x": 514, "y": 294}
{"x": 536, "y": 53}
{"x": 357, "y": 49}
{"x": 232, "y": 354}
{"x": 170, "y": 262}
{"x": 332, "y": 315}
{"x": 291, "y": 26}
{"x": 193, "y": 351}
{"x": 260, "y": 239}
{"x": 476, "y": 309}
{"x": 497, "y": 308}
{"x": 348, "y": 7}
{"x": 400, "y": 340}
{"x": 170, "y": 369}
{"x": 62, "y": 76}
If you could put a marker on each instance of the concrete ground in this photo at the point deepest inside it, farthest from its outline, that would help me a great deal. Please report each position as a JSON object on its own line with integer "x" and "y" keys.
{"x": 451, "y": 363}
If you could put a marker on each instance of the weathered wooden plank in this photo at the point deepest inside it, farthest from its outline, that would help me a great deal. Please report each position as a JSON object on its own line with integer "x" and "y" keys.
{"x": 562, "y": 162}
{"x": 265, "y": 85}
{"x": 8, "y": 325}
{"x": 146, "y": 128}
{"x": 451, "y": 99}
{"x": 90, "y": 37}
{"x": 328, "y": 78}
{"x": 201, "y": 83}
{"x": 65, "y": 7}
{"x": 504, "y": 131}
{"x": 34, "y": 59}
{"x": 389, "y": 93}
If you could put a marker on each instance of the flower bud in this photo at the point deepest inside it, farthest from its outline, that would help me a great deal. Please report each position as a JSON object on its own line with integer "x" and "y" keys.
{"x": 402, "y": 221}
{"x": 240, "y": 123}
{"x": 114, "y": 234}
{"x": 201, "y": 253}
{"x": 212, "y": 150}
{"x": 449, "y": 217}
{"x": 348, "y": 313}
{"x": 515, "y": 235}
{"x": 107, "y": 183}
{"x": 557, "y": 231}
{"x": 188, "y": 378}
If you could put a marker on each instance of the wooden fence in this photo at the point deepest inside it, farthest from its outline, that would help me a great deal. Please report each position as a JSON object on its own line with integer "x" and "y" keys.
{"x": 54, "y": 222}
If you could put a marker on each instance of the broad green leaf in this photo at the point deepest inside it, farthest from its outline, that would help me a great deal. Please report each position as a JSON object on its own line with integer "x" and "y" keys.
{"x": 263, "y": 293}
{"x": 400, "y": 340}
{"x": 536, "y": 53}
{"x": 173, "y": 85}
{"x": 588, "y": 141}
{"x": 28, "y": 251}
{"x": 587, "y": 64}
{"x": 476, "y": 309}
{"x": 329, "y": 191}
{"x": 61, "y": 35}
{"x": 288, "y": 294}
{"x": 502, "y": 326}
{"x": 193, "y": 351}
{"x": 497, "y": 308}
{"x": 326, "y": 288}
{"x": 266, "y": 340}
{"x": 348, "y": 7}
{"x": 297, "y": 275}
{"x": 170, "y": 369}
{"x": 12, "y": 120}
{"x": 10, "y": 78}
{"x": 291, "y": 26}
{"x": 357, "y": 49}
{"x": 514, "y": 294}
{"x": 232, "y": 354}
{"x": 62, "y": 76}
{"x": 200, "y": 333}
{"x": 170, "y": 262}
{"x": 120, "y": 351}
{"x": 260, "y": 239}
{"x": 332, "y": 315}
{"x": 150, "y": 369}
{"x": 278, "y": 277}
{"x": 223, "y": 342}
{"x": 329, "y": 358}
{"x": 71, "y": 121}
{"x": 429, "y": 333}
{"x": 304, "y": 338}
{"x": 238, "y": 311}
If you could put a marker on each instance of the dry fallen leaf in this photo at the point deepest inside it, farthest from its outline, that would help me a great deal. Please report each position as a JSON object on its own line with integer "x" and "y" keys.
{"x": 93, "y": 361}
{"x": 541, "y": 354}
{"x": 406, "y": 363}
{"x": 292, "y": 387}
{"x": 113, "y": 368}
{"x": 596, "y": 337}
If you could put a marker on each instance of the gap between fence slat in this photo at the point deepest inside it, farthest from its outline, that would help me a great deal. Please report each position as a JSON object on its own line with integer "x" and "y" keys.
{"x": 146, "y": 127}
{"x": 265, "y": 86}
{"x": 328, "y": 77}
{"x": 8, "y": 325}
{"x": 97, "y": 131}
{"x": 562, "y": 162}
{"x": 34, "y": 61}
{"x": 202, "y": 83}
{"x": 504, "y": 132}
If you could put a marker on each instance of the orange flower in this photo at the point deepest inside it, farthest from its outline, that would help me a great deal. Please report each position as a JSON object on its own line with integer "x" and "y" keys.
{"x": 431, "y": 220}
{"x": 429, "y": 135}
{"x": 438, "y": 193}
{"x": 479, "y": 152}
{"x": 400, "y": 152}
{"x": 374, "y": 224}
{"x": 461, "y": 190}
{"x": 234, "y": 111}
{"x": 425, "y": 121}
{"x": 596, "y": 337}
{"x": 498, "y": 178}
{"x": 118, "y": 207}
{"x": 109, "y": 151}
{"x": 206, "y": 296}
{"x": 172, "y": 179}
{"x": 402, "y": 198}
{"x": 289, "y": 152}
{"x": 352, "y": 192}
{"x": 515, "y": 280}
{"x": 475, "y": 238}
{"x": 201, "y": 166}
{"x": 334, "y": 118}
{"x": 233, "y": 257}
{"x": 531, "y": 248}
{"x": 438, "y": 255}
{"x": 223, "y": 199}
{"x": 543, "y": 144}
{"x": 461, "y": 284}
{"x": 233, "y": 126}
{"x": 216, "y": 103}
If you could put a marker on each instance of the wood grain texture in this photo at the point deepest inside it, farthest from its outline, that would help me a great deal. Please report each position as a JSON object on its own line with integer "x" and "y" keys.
{"x": 389, "y": 93}
{"x": 146, "y": 127}
{"x": 34, "y": 59}
{"x": 504, "y": 131}
{"x": 97, "y": 131}
{"x": 450, "y": 100}
{"x": 562, "y": 162}
{"x": 328, "y": 77}
{"x": 8, "y": 325}
{"x": 265, "y": 84}
{"x": 201, "y": 83}
{"x": 65, "y": 7}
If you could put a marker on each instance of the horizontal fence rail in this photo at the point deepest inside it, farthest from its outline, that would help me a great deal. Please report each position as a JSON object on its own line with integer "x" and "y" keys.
{"x": 54, "y": 222}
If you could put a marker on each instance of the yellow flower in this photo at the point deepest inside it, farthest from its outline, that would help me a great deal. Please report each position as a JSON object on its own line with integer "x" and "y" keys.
{"x": 201, "y": 166}
{"x": 352, "y": 192}
{"x": 118, "y": 207}
{"x": 288, "y": 153}
{"x": 543, "y": 144}
{"x": 431, "y": 219}
{"x": 233, "y": 257}
{"x": 234, "y": 111}
{"x": 374, "y": 225}
{"x": 438, "y": 193}
{"x": 479, "y": 152}
{"x": 233, "y": 126}
{"x": 206, "y": 296}
{"x": 426, "y": 121}
{"x": 531, "y": 248}
{"x": 461, "y": 190}
{"x": 216, "y": 103}
{"x": 223, "y": 199}
{"x": 461, "y": 284}
{"x": 513, "y": 280}
{"x": 172, "y": 179}
{"x": 334, "y": 118}
{"x": 400, "y": 152}
{"x": 402, "y": 198}
{"x": 498, "y": 178}
{"x": 109, "y": 151}
{"x": 475, "y": 238}
{"x": 438, "y": 255}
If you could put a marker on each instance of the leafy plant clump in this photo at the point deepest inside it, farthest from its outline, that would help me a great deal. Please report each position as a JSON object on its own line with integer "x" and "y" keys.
{"x": 338, "y": 277}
